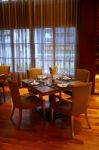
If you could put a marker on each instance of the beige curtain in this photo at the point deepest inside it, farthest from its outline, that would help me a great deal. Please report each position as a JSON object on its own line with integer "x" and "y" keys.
{"x": 37, "y": 13}
{"x": 39, "y": 33}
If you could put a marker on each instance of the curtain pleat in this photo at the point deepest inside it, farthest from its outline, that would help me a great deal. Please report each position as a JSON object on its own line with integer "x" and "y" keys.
{"x": 33, "y": 13}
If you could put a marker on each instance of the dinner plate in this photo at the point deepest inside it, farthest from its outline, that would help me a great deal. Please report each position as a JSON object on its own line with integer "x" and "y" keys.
{"x": 42, "y": 76}
{"x": 56, "y": 76}
{"x": 34, "y": 83}
{"x": 66, "y": 78}
{"x": 62, "y": 84}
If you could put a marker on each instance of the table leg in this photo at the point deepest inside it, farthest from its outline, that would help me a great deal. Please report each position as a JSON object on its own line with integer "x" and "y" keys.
{"x": 51, "y": 99}
{"x": 43, "y": 107}
{"x": 0, "y": 97}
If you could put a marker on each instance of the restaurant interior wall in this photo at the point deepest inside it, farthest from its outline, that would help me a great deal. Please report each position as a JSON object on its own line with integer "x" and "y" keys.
{"x": 87, "y": 37}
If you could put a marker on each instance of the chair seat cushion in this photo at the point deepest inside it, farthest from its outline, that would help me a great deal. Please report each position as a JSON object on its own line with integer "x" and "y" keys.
{"x": 69, "y": 92}
{"x": 29, "y": 102}
{"x": 62, "y": 106}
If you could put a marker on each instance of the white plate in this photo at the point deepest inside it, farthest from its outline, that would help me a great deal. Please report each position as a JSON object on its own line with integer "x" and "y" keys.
{"x": 42, "y": 76}
{"x": 66, "y": 78}
{"x": 56, "y": 76}
{"x": 34, "y": 83}
{"x": 62, "y": 84}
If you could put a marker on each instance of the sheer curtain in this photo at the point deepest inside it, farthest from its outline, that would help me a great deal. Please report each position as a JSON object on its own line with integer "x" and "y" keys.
{"x": 39, "y": 33}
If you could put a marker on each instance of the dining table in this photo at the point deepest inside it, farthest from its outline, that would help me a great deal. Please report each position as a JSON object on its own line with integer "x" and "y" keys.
{"x": 48, "y": 87}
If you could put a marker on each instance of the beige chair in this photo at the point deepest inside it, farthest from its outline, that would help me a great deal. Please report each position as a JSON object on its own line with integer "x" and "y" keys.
{"x": 22, "y": 101}
{"x": 54, "y": 70}
{"x": 2, "y": 81}
{"x": 33, "y": 73}
{"x": 4, "y": 73}
{"x": 4, "y": 69}
{"x": 75, "y": 106}
{"x": 82, "y": 75}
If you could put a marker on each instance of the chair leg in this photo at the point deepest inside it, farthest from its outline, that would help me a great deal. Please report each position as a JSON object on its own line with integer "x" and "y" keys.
{"x": 86, "y": 117}
{"x": 20, "y": 117}
{"x": 52, "y": 114}
{"x": 72, "y": 126}
{"x": 12, "y": 112}
{"x": 43, "y": 108}
{"x": 4, "y": 93}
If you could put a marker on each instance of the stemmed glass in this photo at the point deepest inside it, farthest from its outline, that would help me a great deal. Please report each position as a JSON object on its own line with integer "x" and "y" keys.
{"x": 62, "y": 76}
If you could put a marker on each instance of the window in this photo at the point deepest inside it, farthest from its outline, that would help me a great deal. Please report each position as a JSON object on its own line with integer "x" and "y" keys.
{"x": 15, "y": 49}
{"x": 22, "y": 58}
{"x": 5, "y": 47}
{"x": 43, "y": 41}
{"x": 50, "y": 47}
{"x": 56, "y": 47}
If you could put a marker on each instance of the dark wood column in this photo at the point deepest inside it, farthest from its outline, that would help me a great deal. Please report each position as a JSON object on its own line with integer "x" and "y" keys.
{"x": 87, "y": 36}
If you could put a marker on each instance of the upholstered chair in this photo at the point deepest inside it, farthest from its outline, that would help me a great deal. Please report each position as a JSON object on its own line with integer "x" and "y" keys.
{"x": 81, "y": 75}
{"x": 32, "y": 73}
{"x": 75, "y": 106}
{"x": 53, "y": 70}
{"x": 4, "y": 74}
{"x": 22, "y": 102}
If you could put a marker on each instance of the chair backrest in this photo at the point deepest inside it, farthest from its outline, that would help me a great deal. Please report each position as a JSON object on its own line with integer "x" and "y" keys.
{"x": 82, "y": 75}
{"x": 80, "y": 96}
{"x": 4, "y": 69}
{"x": 33, "y": 73}
{"x": 54, "y": 70}
{"x": 2, "y": 79}
{"x": 14, "y": 89}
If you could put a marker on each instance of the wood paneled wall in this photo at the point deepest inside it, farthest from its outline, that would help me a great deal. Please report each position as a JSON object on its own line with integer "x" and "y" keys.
{"x": 87, "y": 36}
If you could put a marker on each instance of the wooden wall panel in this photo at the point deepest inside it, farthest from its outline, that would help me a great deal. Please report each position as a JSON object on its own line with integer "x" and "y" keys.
{"x": 87, "y": 36}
